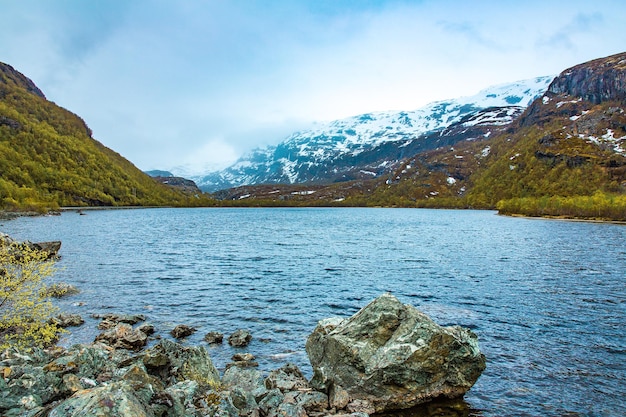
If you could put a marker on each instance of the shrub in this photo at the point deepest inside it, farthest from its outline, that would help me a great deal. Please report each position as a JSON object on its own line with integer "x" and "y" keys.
{"x": 25, "y": 308}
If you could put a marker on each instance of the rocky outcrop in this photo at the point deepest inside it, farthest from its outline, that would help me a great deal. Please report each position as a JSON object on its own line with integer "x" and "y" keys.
{"x": 9, "y": 75}
{"x": 391, "y": 356}
{"x": 595, "y": 81}
{"x": 576, "y": 89}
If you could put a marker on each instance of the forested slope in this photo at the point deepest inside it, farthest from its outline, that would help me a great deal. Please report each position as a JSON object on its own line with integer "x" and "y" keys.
{"x": 48, "y": 158}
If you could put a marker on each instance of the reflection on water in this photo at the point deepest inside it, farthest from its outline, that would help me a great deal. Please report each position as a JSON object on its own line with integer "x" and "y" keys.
{"x": 546, "y": 298}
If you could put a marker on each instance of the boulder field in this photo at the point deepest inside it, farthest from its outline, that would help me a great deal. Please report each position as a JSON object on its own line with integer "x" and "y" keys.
{"x": 388, "y": 356}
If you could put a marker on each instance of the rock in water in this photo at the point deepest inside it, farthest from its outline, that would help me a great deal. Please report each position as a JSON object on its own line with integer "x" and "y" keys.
{"x": 240, "y": 338}
{"x": 391, "y": 356}
{"x": 182, "y": 331}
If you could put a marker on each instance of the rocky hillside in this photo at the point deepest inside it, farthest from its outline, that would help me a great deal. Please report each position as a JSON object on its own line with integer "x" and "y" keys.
{"x": 564, "y": 155}
{"x": 48, "y": 158}
{"x": 374, "y": 144}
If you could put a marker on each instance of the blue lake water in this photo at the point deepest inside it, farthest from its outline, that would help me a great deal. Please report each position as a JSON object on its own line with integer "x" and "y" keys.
{"x": 546, "y": 298}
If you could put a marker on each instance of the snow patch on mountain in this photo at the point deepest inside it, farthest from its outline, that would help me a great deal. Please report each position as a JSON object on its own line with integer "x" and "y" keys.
{"x": 316, "y": 153}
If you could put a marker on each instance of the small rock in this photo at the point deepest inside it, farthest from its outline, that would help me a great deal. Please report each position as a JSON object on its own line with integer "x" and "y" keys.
{"x": 214, "y": 337}
{"x": 110, "y": 320}
{"x": 61, "y": 289}
{"x": 287, "y": 378}
{"x": 243, "y": 357}
{"x": 146, "y": 328}
{"x": 123, "y": 336}
{"x": 338, "y": 397}
{"x": 67, "y": 320}
{"x": 361, "y": 406}
{"x": 240, "y": 338}
{"x": 271, "y": 401}
{"x": 313, "y": 401}
{"x": 181, "y": 331}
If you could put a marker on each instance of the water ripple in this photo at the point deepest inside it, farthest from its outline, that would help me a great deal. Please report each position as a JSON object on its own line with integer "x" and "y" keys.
{"x": 546, "y": 299}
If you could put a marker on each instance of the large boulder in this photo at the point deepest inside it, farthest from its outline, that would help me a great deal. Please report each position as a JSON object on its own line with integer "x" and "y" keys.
{"x": 391, "y": 356}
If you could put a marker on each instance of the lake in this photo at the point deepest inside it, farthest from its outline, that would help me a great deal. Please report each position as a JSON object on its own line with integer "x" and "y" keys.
{"x": 546, "y": 298}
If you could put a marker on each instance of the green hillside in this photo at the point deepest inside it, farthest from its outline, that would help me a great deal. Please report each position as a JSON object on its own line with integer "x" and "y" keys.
{"x": 49, "y": 159}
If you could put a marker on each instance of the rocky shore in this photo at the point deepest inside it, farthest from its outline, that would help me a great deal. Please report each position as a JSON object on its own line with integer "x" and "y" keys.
{"x": 387, "y": 357}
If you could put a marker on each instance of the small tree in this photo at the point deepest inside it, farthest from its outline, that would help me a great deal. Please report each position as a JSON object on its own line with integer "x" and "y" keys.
{"x": 25, "y": 309}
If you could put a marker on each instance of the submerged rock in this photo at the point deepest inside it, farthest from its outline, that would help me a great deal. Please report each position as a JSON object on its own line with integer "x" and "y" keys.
{"x": 391, "y": 356}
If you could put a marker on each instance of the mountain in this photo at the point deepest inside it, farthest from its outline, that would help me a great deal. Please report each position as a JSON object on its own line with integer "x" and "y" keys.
{"x": 565, "y": 155}
{"x": 48, "y": 158}
{"x": 373, "y": 144}
{"x": 159, "y": 173}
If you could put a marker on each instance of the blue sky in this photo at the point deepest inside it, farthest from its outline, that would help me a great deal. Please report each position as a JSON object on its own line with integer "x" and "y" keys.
{"x": 196, "y": 83}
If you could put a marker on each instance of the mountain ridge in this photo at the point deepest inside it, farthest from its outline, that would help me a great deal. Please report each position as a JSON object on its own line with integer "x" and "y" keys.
{"x": 330, "y": 152}
{"x": 563, "y": 156}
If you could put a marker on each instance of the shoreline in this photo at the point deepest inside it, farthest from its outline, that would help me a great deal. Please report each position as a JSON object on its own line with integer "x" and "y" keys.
{"x": 11, "y": 215}
{"x": 563, "y": 218}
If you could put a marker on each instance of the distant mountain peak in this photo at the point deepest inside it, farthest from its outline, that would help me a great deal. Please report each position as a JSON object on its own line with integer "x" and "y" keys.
{"x": 344, "y": 149}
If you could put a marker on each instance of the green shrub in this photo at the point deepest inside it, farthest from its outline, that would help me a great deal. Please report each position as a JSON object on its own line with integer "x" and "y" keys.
{"x": 25, "y": 308}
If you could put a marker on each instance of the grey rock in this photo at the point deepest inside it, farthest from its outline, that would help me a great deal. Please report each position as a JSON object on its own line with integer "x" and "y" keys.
{"x": 271, "y": 401}
{"x": 243, "y": 360}
{"x": 338, "y": 397}
{"x": 115, "y": 399}
{"x": 247, "y": 379}
{"x": 61, "y": 289}
{"x": 174, "y": 363}
{"x": 290, "y": 410}
{"x": 243, "y": 400}
{"x": 391, "y": 356}
{"x": 240, "y": 338}
{"x": 312, "y": 401}
{"x": 110, "y": 320}
{"x": 287, "y": 378}
{"x": 51, "y": 248}
{"x": 245, "y": 386}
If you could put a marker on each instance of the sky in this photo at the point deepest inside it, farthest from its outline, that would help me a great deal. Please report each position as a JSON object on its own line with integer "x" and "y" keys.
{"x": 191, "y": 85}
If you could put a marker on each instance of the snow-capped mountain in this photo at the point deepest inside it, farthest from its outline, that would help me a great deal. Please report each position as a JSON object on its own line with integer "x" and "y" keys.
{"x": 372, "y": 144}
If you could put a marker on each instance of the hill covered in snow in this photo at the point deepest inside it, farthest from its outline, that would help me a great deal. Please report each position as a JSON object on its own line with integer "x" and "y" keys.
{"x": 374, "y": 144}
